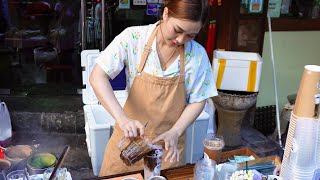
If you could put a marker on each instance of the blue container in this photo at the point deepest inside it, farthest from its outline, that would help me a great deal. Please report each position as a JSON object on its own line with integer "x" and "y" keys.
{"x": 119, "y": 82}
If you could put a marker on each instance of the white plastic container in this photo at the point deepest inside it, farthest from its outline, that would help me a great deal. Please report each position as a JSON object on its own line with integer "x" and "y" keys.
{"x": 99, "y": 127}
{"x": 237, "y": 71}
{"x": 99, "y": 123}
{"x": 197, "y": 130}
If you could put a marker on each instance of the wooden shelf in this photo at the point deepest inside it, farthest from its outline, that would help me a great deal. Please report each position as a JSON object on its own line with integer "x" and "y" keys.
{"x": 251, "y": 17}
{"x": 294, "y": 24}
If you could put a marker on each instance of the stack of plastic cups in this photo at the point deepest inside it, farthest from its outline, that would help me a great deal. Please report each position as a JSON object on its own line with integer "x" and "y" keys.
{"x": 298, "y": 173}
{"x": 302, "y": 161}
{"x": 318, "y": 145}
{"x": 304, "y": 109}
{"x": 289, "y": 142}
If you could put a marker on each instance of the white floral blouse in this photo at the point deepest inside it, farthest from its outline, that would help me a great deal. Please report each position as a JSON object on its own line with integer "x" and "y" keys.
{"x": 126, "y": 50}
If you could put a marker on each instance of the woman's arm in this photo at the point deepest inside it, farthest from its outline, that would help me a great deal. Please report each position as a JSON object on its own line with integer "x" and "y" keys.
{"x": 99, "y": 81}
{"x": 188, "y": 116}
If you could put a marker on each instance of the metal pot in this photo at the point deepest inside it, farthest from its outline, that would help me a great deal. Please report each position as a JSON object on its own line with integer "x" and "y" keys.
{"x": 41, "y": 166}
{"x": 18, "y": 155}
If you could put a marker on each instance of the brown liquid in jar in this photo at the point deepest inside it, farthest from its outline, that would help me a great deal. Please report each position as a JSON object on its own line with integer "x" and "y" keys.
{"x": 135, "y": 151}
{"x": 152, "y": 159}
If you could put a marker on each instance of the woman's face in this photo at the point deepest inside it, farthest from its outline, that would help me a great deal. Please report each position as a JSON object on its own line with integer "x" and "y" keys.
{"x": 177, "y": 31}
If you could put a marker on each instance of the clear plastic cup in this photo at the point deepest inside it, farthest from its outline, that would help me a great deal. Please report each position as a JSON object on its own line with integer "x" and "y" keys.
{"x": 304, "y": 151}
{"x": 61, "y": 174}
{"x": 205, "y": 169}
{"x": 213, "y": 146}
{"x": 293, "y": 171}
{"x": 225, "y": 169}
{"x": 18, "y": 175}
{"x": 152, "y": 162}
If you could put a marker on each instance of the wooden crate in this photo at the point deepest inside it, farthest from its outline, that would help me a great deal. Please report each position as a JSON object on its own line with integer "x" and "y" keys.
{"x": 186, "y": 172}
{"x": 238, "y": 152}
{"x": 179, "y": 173}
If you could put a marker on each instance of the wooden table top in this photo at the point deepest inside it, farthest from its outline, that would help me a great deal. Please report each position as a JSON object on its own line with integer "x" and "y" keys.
{"x": 182, "y": 173}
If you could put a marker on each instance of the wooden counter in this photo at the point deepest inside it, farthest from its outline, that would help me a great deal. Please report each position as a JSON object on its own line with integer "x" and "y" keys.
{"x": 186, "y": 172}
{"x": 179, "y": 173}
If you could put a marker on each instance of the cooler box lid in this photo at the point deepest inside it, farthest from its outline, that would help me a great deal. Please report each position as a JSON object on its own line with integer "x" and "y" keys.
{"x": 88, "y": 60}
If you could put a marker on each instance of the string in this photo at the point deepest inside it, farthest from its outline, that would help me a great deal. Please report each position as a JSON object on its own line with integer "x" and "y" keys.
{"x": 165, "y": 61}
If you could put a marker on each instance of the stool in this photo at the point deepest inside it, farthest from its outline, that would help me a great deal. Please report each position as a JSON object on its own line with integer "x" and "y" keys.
{"x": 231, "y": 109}
{"x": 58, "y": 72}
{"x": 229, "y": 125}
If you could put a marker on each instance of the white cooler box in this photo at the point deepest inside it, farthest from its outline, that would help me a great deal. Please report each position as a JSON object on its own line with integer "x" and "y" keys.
{"x": 237, "y": 71}
{"x": 99, "y": 123}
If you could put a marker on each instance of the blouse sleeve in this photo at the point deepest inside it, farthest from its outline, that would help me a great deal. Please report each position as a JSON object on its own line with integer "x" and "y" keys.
{"x": 114, "y": 57}
{"x": 203, "y": 85}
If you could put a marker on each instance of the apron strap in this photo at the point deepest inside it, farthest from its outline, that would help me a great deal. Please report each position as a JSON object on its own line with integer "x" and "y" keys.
{"x": 147, "y": 49}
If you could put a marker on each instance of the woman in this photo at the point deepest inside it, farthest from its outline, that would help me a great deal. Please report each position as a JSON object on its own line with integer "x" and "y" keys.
{"x": 169, "y": 77}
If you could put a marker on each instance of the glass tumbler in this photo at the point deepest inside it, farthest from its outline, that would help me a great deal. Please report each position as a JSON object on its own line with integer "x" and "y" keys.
{"x": 18, "y": 175}
{"x": 152, "y": 163}
{"x": 61, "y": 174}
{"x": 134, "y": 149}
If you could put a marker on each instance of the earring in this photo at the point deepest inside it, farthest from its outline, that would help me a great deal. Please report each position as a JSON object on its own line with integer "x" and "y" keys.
{"x": 165, "y": 13}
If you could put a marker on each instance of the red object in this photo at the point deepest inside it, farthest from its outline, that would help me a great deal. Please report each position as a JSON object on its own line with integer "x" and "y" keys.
{"x": 37, "y": 8}
{"x": 211, "y": 39}
{"x": 1, "y": 153}
{"x": 211, "y": 2}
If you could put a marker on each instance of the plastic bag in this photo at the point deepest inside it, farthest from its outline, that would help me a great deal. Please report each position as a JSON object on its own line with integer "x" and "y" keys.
{"x": 5, "y": 121}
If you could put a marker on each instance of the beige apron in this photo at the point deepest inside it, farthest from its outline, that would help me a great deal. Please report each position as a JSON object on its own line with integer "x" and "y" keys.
{"x": 157, "y": 100}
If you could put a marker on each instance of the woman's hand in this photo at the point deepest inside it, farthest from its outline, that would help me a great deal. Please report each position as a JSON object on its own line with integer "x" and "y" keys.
{"x": 131, "y": 128}
{"x": 170, "y": 139}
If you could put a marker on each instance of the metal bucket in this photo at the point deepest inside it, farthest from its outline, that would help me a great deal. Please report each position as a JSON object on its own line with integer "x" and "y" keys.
{"x": 34, "y": 167}
{"x": 18, "y": 155}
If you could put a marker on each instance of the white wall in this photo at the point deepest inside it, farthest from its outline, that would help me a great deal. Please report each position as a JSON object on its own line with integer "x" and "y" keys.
{"x": 292, "y": 51}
